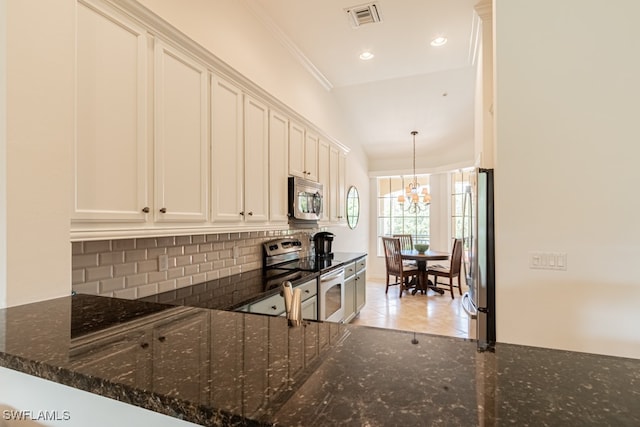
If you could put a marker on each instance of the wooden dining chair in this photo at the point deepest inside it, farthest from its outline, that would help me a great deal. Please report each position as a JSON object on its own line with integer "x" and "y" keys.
{"x": 395, "y": 267}
{"x": 406, "y": 244}
{"x": 438, "y": 271}
{"x": 406, "y": 241}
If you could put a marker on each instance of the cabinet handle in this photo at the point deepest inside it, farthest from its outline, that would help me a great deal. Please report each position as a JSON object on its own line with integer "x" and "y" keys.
{"x": 250, "y": 213}
{"x": 144, "y": 345}
{"x": 145, "y": 209}
{"x": 306, "y": 291}
{"x": 163, "y": 210}
{"x": 242, "y": 213}
{"x": 162, "y": 339}
{"x": 273, "y": 307}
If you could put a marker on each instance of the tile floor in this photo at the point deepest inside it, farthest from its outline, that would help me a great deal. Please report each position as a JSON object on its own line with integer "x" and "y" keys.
{"x": 431, "y": 313}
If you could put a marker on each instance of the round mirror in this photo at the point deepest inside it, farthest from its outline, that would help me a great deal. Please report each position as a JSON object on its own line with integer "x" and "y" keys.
{"x": 353, "y": 207}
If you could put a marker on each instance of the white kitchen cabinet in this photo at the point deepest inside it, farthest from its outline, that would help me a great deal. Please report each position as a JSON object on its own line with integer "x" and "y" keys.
{"x": 278, "y": 164}
{"x": 337, "y": 161}
{"x": 239, "y": 155}
{"x": 324, "y": 178}
{"x": 303, "y": 152}
{"x": 111, "y": 118}
{"x": 180, "y": 137}
{"x": 311, "y": 142}
{"x": 256, "y": 161}
{"x": 227, "y": 156}
{"x": 164, "y": 144}
{"x": 296, "y": 150}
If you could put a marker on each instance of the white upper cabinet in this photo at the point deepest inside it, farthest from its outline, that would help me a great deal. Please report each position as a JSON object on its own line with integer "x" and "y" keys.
{"x": 337, "y": 160}
{"x": 278, "y": 185}
{"x": 324, "y": 178}
{"x": 171, "y": 140}
{"x": 180, "y": 122}
{"x": 111, "y": 104}
{"x": 296, "y": 150}
{"x": 227, "y": 154}
{"x": 341, "y": 196}
{"x": 303, "y": 152}
{"x": 311, "y": 142}
{"x": 256, "y": 161}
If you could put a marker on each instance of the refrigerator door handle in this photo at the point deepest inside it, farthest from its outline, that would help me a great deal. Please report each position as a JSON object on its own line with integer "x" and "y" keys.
{"x": 467, "y": 306}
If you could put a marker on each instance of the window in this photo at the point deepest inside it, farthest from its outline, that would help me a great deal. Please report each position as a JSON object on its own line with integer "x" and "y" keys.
{"x": 393, "y": 217}
{"x": 459, "y": 183}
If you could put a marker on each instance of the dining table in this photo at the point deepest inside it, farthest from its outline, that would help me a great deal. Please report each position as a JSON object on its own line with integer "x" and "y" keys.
{"x": 422, "y": 258}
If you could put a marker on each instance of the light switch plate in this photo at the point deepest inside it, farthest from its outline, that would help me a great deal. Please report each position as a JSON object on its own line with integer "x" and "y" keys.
{"x": 540, "y": 260}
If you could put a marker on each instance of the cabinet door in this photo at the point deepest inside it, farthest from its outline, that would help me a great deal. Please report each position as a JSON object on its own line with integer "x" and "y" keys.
{"x": 278, "y": 144}
{"x": 340, "y": 197}
{"x": 350, "y": 298}
{"x": 324, "y": 178}
{"x": 256, "y": 161}
{"x": 334, "y": 156}
{"x": 181, "y": 357}
{"x": 227, "y": 164}
{"x": 361, "y": 283}
{"x": 296, "y": 150}
{"x": 180, "y": 137}
{"x": 311, "y": 156}
{"x": 111, "y": 119}
{"x": 310, "y": 309}
{"x": 361, "y": 290}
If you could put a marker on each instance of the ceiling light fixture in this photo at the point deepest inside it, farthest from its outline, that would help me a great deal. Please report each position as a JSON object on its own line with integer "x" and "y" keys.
{"x": 366, "y": 55}
{"x": 439, "y": 41}
{"x": 414, "y": 192}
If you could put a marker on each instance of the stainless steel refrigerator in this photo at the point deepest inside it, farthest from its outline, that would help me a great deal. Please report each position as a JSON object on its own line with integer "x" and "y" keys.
{"x": 479, "y": 256}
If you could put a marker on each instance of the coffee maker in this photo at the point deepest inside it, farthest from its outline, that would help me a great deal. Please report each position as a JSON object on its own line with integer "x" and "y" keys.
{"x": 322, "y": 242}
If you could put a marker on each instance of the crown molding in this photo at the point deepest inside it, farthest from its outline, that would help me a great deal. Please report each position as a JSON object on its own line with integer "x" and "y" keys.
{"x": 288, "y": 44}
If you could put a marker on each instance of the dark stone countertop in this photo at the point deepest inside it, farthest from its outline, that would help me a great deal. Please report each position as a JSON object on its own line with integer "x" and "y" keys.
{"x": 216, "y": 367}
{"x": 233, "y": 292}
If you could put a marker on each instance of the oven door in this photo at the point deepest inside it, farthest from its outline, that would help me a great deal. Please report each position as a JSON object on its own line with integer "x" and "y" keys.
{"x": 332, "y": 296}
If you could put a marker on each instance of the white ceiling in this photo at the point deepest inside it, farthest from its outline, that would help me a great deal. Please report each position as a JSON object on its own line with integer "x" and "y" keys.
{"x": 408, "y": 85}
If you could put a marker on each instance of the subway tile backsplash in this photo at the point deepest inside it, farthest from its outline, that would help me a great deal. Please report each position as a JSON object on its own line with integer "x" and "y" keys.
{"x": 129, "y": 268}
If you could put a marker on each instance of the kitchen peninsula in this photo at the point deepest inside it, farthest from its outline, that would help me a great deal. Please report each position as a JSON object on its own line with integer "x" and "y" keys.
{"x": 214, "y": 367}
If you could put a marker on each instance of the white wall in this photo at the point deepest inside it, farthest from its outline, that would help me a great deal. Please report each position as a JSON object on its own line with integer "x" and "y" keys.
{"x": 567, "y": 150}
{"x": 39, "y": 114}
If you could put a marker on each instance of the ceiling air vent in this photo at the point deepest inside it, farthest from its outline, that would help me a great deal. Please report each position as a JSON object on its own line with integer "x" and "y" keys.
{"x": 363, "y": 14}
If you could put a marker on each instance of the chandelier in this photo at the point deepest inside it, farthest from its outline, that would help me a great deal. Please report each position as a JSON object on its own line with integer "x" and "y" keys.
{"x": 418, "y": 196}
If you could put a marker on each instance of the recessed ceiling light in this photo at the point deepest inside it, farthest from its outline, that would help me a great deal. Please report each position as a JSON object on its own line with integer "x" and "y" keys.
{"x": 439, "y": 41}
{"x": 366, "y": 55}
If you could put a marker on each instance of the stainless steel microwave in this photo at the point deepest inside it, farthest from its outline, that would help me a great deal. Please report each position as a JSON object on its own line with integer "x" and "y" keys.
{"x": 305, "y": 199}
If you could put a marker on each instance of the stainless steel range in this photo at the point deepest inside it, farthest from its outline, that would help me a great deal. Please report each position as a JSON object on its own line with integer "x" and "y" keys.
{"x": 283, "y": 256}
